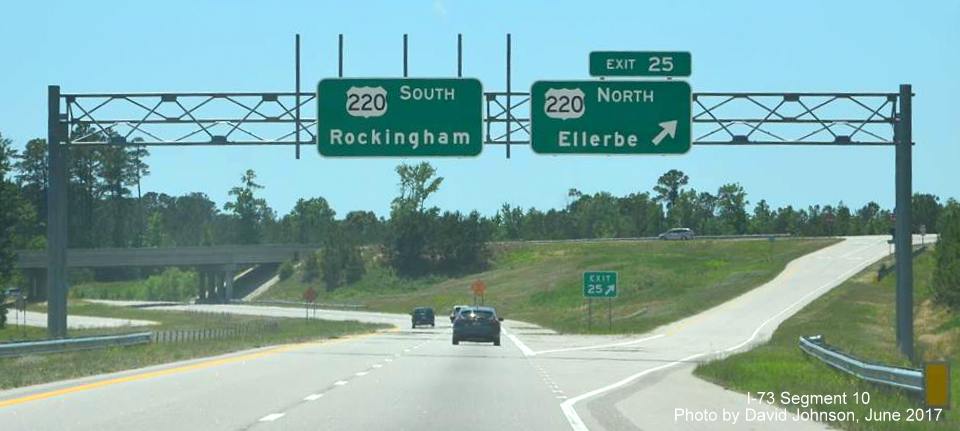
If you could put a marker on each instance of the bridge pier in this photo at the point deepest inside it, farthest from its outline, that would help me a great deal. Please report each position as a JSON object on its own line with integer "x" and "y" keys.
{"x": 229, "y": 270}
{"x": 208, "y": 286}
{"x": 214, "y": 285}
{"x": 36, "y": 290}
{"x": 201, "y": 284}
{"x": 214, "y": 290}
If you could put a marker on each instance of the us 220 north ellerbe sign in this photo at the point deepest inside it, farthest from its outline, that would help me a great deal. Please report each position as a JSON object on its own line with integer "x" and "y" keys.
{"x": 610, "y": 117}
{"x": 404, "y": 117}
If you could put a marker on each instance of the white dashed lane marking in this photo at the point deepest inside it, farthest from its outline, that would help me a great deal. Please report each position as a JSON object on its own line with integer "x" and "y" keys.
{"x": 272, "y": 417}
{"x": 313, "y": 397}
{"x": 548, "y": 381}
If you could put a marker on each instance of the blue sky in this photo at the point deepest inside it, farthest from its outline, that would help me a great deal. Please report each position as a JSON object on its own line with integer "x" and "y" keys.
{"x": 736, "y": 46}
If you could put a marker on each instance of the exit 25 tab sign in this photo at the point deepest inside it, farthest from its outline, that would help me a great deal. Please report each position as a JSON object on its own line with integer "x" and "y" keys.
{"x": 640, "y": 63}
{"x": 610, "y": 117}
{"x": 400, "y": 117}
{"x": 600, "y": 284}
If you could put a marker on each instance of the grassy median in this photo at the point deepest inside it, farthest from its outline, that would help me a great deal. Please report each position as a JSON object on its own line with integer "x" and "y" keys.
{"x": 34, "y": 369}
{"x": 660, "y": 281}
{"x": 858, "y": 318}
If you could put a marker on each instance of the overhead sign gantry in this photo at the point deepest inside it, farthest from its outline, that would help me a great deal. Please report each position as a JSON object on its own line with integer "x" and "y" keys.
{"x": 274, "y": 118}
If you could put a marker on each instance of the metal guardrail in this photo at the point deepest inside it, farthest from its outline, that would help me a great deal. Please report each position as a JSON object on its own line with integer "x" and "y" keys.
{"x": 73, "y": 344}
{"x": 904, "y": 378}
{"x": 885, "y": 270}
{"x": 239, "y": 330}
{"x": 646, "y": 238}
{"x": 297, "y": 303}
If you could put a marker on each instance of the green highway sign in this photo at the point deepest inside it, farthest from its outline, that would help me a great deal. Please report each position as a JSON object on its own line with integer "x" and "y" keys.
{"x": 600, "y": 284}
{"x": 610, "y": 117}
{"x": 640, "y": 63}
{"x": 399, "y": 117}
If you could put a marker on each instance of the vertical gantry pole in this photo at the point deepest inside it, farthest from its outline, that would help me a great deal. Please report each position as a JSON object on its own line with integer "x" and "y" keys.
{"x": 56, "y": 218}
{"x": 904, "y": 236}
{"x": 459, "y": 55}
{"x": 509, "y": 107}
{"x": 340, "y": 56}
{"x": 404, "y": 55}
{"x": 296, "y": 121}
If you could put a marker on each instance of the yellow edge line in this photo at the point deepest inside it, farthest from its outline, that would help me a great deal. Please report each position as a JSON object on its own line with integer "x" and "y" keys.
{"x": 197, "y": 366}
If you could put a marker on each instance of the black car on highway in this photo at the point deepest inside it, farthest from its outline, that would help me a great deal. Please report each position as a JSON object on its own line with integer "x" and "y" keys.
{"x": 422, "y": 316}
{"x": 477, "y": 324}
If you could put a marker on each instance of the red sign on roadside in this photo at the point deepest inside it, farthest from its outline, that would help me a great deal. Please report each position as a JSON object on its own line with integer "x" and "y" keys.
{"x": 310, "y": 295}
{"x": 478, "y": 287}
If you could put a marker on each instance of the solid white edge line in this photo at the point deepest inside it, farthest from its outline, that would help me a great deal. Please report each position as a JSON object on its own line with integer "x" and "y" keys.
{"x": 516, "y": 341}
{"x": 576, "y": 423}
{"x": 272, "y": 417}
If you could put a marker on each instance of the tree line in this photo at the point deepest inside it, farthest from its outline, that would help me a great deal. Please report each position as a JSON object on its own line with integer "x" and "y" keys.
{"x": 724, "y": 212}
{"x": 109, "y": 209}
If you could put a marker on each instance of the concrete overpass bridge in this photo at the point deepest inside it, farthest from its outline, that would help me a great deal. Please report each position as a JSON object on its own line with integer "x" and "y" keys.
{"x": 217, "y": 265}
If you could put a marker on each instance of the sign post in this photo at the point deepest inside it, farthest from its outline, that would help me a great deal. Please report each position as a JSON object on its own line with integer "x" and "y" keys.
{"x": 610, "y": 117}
{"x": 610, "y": 314}
{"x": 589, "y": 313}
{"x": 399, "y": 117}
{"x": 21, "y": 303}
{"x": 309, "y": 296}
{"x": 600, "y": 284}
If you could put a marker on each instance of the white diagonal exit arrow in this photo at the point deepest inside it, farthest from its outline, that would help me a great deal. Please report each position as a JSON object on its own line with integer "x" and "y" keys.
{"x": 610, "y": 288}
{"x": 666, "y": 128}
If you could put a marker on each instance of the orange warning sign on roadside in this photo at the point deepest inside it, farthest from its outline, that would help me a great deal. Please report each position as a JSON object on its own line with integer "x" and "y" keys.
{"x": 478, "y": 287}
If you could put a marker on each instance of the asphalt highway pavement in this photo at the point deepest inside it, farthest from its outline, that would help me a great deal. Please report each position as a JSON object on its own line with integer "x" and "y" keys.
{"x": 415, "y": 379}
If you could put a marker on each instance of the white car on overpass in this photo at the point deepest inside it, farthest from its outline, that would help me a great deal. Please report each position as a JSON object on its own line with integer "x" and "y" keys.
{"x": 679, "y": 233}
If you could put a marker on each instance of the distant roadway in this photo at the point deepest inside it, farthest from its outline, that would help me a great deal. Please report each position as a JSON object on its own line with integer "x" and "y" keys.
{"x": 39, "y": 319}
{"x": 404, "y": 379}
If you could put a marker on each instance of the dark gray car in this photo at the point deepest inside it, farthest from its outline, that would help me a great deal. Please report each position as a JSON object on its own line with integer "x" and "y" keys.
{"x": 477, "y": 324}
{"x": 422, "y": 316}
